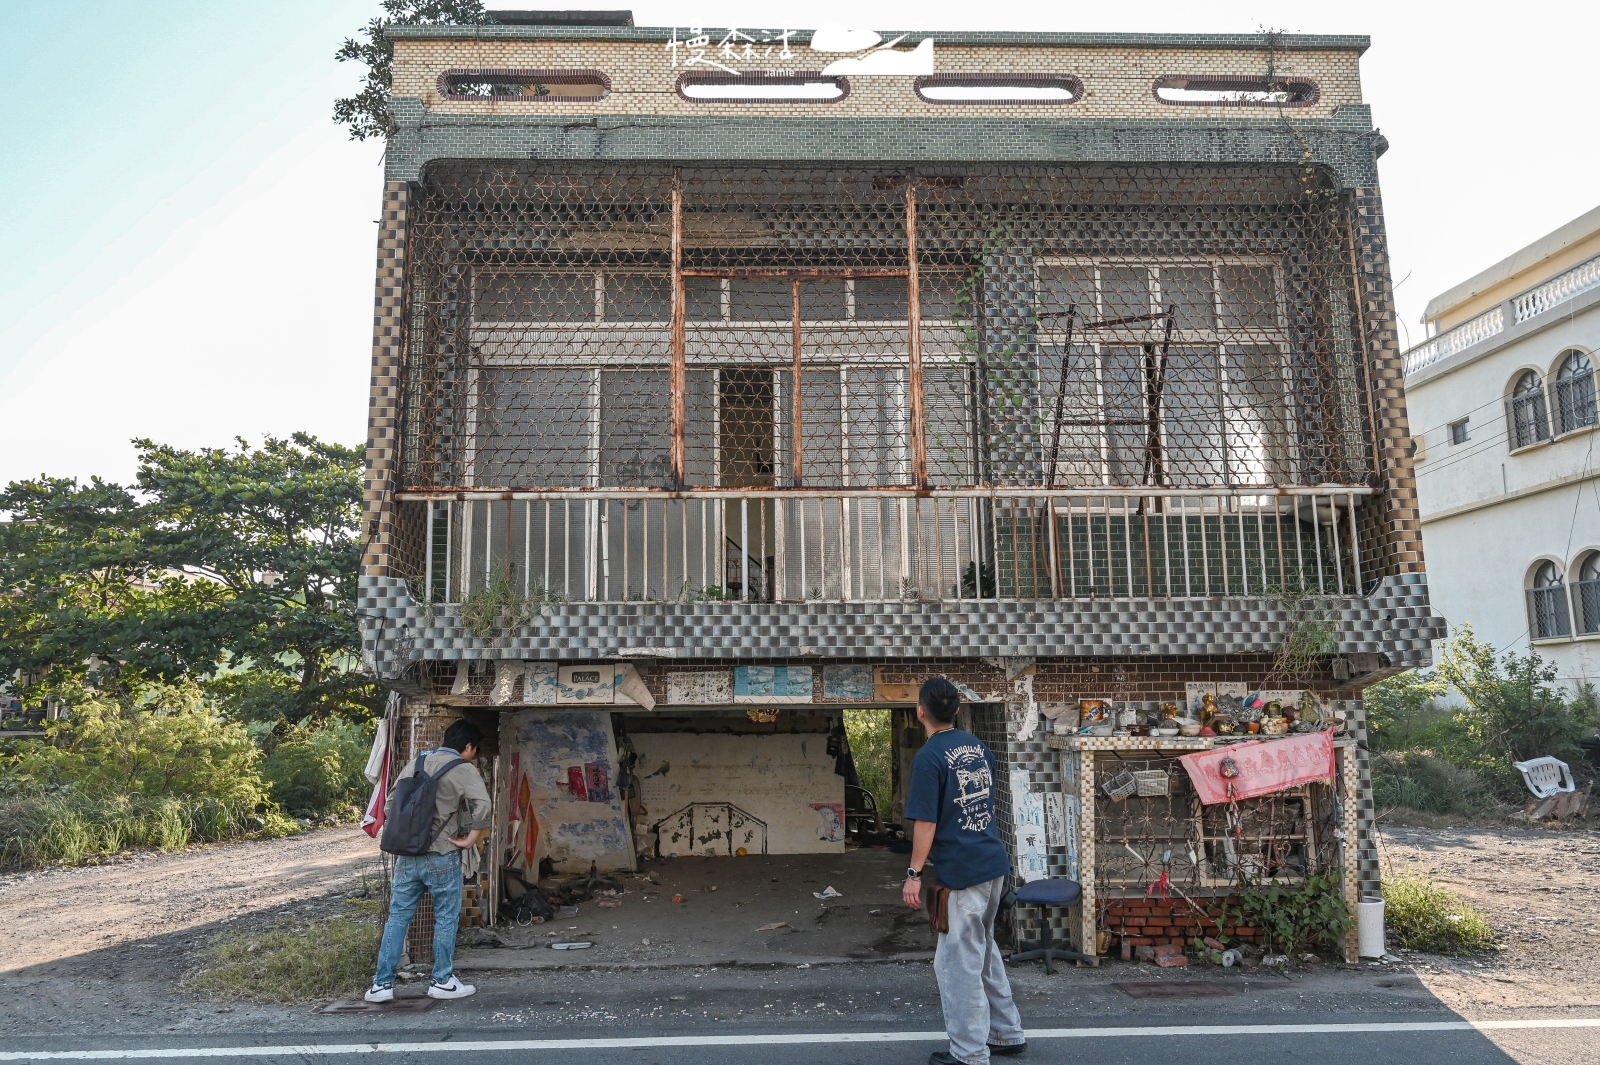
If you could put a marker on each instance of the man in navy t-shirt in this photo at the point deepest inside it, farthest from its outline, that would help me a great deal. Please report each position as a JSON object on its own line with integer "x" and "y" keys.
{"x": 952, "y": 806}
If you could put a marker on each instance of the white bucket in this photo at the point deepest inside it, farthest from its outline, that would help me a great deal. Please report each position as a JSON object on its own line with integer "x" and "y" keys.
{"x": 1369, "y": 926}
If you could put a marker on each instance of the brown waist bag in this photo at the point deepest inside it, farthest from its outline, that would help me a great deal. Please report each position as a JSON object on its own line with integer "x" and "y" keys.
{"x": 937, "y": 901}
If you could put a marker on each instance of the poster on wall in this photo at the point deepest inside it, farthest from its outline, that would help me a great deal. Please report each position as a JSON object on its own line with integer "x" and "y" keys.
{"x": 772, "y": 684}
{"x": 1027, "y": 828}
{"x": 847, "y": 682}
{"x": 541, "y": 685}
{"x": 586, "y": 685}
{"x": 1055, "y": 819}
{"x": 1071, "y": 827}
{"x": 562, "y": 793}
{"x": 830, "y": 821}
{"x": 698, "y": 689}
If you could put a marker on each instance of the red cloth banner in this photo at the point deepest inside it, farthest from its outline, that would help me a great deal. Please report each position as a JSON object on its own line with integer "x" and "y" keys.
{"x": 1264, "y": 766}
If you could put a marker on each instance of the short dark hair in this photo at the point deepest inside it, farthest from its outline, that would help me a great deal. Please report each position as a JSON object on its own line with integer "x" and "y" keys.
{"x": 461, "y": 735}
{"x": 940, "y": 699}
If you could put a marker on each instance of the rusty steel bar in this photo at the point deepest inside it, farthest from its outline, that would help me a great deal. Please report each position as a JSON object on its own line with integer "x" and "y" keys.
{"x": 786, "y": 272}
{"x": 795, "y": 400}
{"x": 465, "y": 494}
{"x": 919, "y": 445}
{"x": 680, "y": 373}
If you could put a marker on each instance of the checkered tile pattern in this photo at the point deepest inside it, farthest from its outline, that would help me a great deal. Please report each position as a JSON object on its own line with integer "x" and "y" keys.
{"x": 398, "y": 631}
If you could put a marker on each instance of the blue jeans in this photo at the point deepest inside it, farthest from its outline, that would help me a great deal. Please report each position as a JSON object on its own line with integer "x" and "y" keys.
{"x": 440, "y": 875}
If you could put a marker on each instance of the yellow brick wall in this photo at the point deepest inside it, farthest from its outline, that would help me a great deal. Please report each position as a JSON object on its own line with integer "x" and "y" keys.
{"x": 1118, "y": 81}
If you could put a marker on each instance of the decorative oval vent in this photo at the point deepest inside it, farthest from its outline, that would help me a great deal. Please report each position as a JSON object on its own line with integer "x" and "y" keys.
{"x": 1230, "y": 90}
{"x": 552, "y": 86}
{"x": 804, "y": 87}
{"x": 999, "y": 89}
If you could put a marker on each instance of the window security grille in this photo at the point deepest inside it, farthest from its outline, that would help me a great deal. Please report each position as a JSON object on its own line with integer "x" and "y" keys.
{"x": 543, "y": 340}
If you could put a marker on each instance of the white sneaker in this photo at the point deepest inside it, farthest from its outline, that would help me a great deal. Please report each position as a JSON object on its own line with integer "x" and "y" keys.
{"x": 451, "y": 988}
{"x": 380, "y": 993}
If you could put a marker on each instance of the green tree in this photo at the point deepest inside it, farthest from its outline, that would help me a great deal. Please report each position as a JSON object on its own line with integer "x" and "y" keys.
{"x": 234, "y": 566}
{"x": 1514, "y": 710}
{"x": 367, "y": 112}
{"x": 1400, "y": 710}
{"x": 85, "y": 595}
{"x": 276, "y": 526}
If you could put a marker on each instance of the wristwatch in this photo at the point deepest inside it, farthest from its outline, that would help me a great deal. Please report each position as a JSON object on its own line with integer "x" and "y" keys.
{"x": 913, "y": 874}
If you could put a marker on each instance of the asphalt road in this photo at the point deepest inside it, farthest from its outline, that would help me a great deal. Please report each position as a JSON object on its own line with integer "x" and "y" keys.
{"x": 1210, "y": 1040}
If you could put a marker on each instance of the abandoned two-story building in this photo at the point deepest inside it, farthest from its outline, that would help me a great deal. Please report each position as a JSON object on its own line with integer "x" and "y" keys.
{"x": 726, "y": 380}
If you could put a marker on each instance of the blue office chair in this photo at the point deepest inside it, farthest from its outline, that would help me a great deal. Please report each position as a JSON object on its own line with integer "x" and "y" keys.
{"x": 1047, "y": 895}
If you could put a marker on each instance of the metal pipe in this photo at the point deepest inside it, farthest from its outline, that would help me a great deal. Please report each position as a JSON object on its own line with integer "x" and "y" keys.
{"x": 919, "y": 446}
{"x": 795, "y": 401}
{"x": 786, "y": 272}
{"x": 680, "y": 373}
{"x": 886, "y": 492}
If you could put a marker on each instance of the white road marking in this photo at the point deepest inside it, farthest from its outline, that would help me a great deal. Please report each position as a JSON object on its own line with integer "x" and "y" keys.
{"x": 639, "y": 1042}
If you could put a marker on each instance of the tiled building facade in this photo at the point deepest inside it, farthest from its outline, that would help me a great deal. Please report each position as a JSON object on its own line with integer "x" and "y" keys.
{"x": 526, "y": 191}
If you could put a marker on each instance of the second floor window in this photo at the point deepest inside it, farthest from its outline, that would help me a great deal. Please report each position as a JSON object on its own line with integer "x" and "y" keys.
{"x": 1169, "y": 373}
{"x": 1527, "y": 420}
{"x": 1575, "y": 400}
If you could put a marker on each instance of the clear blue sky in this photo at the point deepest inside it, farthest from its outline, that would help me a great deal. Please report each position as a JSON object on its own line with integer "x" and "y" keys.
{"x": 186, "y": 238}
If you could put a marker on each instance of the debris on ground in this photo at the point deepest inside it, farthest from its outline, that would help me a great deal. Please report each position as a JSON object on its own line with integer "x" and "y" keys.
{"x": 827, "y": 893}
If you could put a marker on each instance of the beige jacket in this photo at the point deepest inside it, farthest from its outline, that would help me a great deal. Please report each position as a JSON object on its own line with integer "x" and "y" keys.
{"x": 462, "y": 805}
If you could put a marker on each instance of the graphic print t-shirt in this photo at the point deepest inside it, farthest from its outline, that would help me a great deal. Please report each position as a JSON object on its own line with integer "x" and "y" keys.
{"x": 952, "y": 785}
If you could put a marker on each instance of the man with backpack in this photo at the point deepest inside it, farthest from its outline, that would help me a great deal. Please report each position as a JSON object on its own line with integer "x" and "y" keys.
{"x": 437, "y": 812}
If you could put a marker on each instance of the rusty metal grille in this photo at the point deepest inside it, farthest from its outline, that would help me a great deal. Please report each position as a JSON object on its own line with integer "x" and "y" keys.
{"x": 1208, "y": 850}
{"x": 772, "y": 328}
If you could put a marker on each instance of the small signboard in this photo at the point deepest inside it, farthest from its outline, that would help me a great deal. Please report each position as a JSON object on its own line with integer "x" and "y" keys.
{"x": 772, "y": 684}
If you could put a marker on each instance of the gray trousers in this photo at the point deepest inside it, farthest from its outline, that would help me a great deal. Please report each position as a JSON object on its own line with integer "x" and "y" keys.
{"x": 973, "y": 989}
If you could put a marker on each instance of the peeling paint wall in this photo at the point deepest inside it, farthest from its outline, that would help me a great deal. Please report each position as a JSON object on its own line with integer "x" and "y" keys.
{"x": 722, "y": 792}
{"x": 564, "y": 774}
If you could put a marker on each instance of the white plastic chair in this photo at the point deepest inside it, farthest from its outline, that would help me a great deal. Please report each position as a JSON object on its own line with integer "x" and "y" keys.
{"x": 1546, "y": 776}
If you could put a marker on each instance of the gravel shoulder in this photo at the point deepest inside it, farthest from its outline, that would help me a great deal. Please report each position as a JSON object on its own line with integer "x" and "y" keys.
{"x": 1537, "y": 890}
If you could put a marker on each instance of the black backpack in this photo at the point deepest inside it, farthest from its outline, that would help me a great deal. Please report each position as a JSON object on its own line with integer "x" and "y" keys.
{"x": 409, "y": 827}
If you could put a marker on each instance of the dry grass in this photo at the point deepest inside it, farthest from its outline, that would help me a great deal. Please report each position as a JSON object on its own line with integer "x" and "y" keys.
{"x": 1423, "y": 916}
{"x": 324, "y": 959}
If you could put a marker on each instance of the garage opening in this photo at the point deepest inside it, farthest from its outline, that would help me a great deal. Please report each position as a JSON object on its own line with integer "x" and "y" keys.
{"x": 697, "y": 833}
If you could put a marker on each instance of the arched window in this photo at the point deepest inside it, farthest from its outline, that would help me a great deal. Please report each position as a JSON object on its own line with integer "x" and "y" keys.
{"x": 1586, "y": 594}
{"x": 1575, "y": 407}
{"x": 1547, "y": 603}
{"x": 1525, "y": 411}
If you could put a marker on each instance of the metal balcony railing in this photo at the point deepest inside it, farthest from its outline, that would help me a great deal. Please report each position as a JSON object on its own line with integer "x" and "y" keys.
{"x": 739, "y": 545}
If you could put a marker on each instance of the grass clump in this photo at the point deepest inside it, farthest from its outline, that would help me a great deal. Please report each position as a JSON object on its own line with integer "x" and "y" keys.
{"x": 68, "y": 827}
{"x": 160, "y": 774}
{"x": 328, "y": 958}
{"x": 1421, "y": 915}
{"x": 1422, "y": 780}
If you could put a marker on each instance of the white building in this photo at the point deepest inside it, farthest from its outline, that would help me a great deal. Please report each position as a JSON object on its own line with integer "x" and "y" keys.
{"x": 1502, "y": 408}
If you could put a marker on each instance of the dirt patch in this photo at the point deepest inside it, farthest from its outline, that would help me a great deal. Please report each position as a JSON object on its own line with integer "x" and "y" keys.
{"x": 77, "y": 942}
{"x": 1536, "y": 887}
